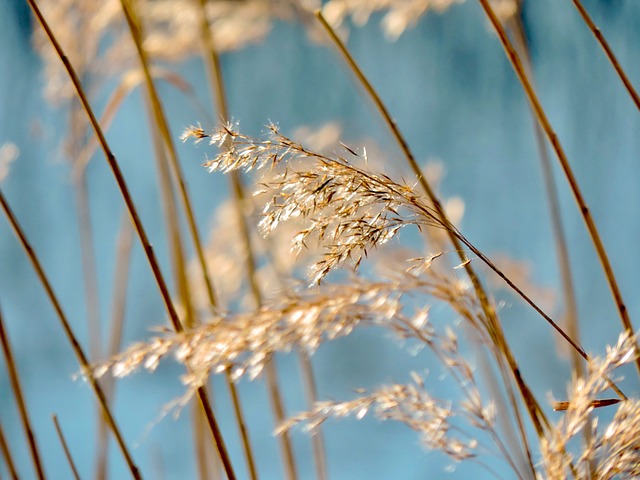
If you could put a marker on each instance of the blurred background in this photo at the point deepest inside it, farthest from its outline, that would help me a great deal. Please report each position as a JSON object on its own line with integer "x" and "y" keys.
{"x": 454, "y": 95}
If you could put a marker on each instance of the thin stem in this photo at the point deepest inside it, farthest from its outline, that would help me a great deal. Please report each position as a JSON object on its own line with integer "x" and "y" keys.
{"x": 212, "y": 60}
{"x": 244, "y": 433}
{"x": 562, "y": 249}
{"x": 14, "y": 378}
{"x": 493, "y": 324}
{"x": 277, "y": 403}
{"x": 178, "y": 263}
{"x": 161, "y": 121}
{"x": 142, "y": 235}
{"x": 514, "y": 58}
{"x": 6, "y": 454}
{"x": 75, "y": 345}
{"x": 67, "y": 452}
{"x": 533, "y": 305}
{"x": 121, "y": 280}
{"x": 311, "y": 390}
{"x": 607, "y": 50}
{"x": 560, "y": 241}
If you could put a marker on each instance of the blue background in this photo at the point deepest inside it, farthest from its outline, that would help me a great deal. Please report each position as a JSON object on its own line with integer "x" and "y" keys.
{"x": 455, "y": 97}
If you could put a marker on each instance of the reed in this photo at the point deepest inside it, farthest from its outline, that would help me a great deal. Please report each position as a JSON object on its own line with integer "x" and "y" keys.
{"x": 319, "y": 238}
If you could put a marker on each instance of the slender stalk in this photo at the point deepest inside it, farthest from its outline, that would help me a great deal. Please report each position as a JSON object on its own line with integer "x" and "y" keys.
{"x": 560, "y": 241}
{"x": 135, "y": 218}
{"x": 67, "y": 452}
{"x": 212, "y": 60}
{"x": 14, "y": 378}
{"x": 77, "y": 131}
{"x": 608, "y": 52}
{"x": 244, "y": 433}
{"x": 6, "y": 454}
{"x": 121, "y": 281}
{"x": 493, "y": 325}
{"x": 317, "y": 439}
{"x": 514, "y": 58}
{"x": 162, "y": 124}
{"x": 179, "y": 266}
{"x": 562, "y": 249}
{"x": 83, "y": 212}
{"x": 308, "y": 377}
{"x": 533, "y": 305}
{"x": 277, "y": 403}
{"x": 75, "y": 345}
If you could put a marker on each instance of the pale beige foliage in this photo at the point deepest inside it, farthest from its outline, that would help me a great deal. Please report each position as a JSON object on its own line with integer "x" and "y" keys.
{"x": 347, "y": 209}
{"x": 246, "y": 341}
{"x": 615, "y": 452}
{"x": 8, "y": 154}
{"x": 401, "y": 15}
{"x": 409, "y": 404}
{"x": 170, "y": 33}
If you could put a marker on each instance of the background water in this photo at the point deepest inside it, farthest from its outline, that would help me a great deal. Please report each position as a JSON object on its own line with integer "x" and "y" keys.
{"x": 455, "y": 97}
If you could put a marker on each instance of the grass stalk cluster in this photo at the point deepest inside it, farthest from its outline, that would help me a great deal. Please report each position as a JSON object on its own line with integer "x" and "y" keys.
{"x": 312, "y": 250}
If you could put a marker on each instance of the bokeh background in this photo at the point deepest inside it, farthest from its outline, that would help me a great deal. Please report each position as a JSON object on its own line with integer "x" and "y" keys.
{"x": 455, "y": 97}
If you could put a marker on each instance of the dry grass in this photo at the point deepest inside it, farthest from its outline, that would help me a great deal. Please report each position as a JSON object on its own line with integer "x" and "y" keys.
{"x": 314, "y": 249}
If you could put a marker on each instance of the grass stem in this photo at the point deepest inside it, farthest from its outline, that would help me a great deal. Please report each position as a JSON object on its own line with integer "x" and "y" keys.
{"x": 75, "y": 345}
{"x": 140, "y": 230}
{"x": 494, "y": 328}
{"x": 14, "y": 379}
{"x": 520, "y": 71}
{"x": 212, "y": 61}
{"x": 608, "y": 52}
{"x": 8, "y": 458}
{"x": 65, "y": 447}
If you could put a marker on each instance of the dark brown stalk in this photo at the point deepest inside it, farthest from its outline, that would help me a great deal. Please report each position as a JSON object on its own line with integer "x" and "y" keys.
{"x": 67, "y": 452}
{"x": 493, "y": 324}
{"x": 533, "y": 305}
{"x": 6, "y": 454}
{"x": 148, "y": 249}
{"x": 14, "y": 378}
{"x": 212, "y": 60}
{"x": 121, "y": 280}
{"x": 607, "y": 50}
{"x": 75, "y": 345}
{"x": 514, "y": 58}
